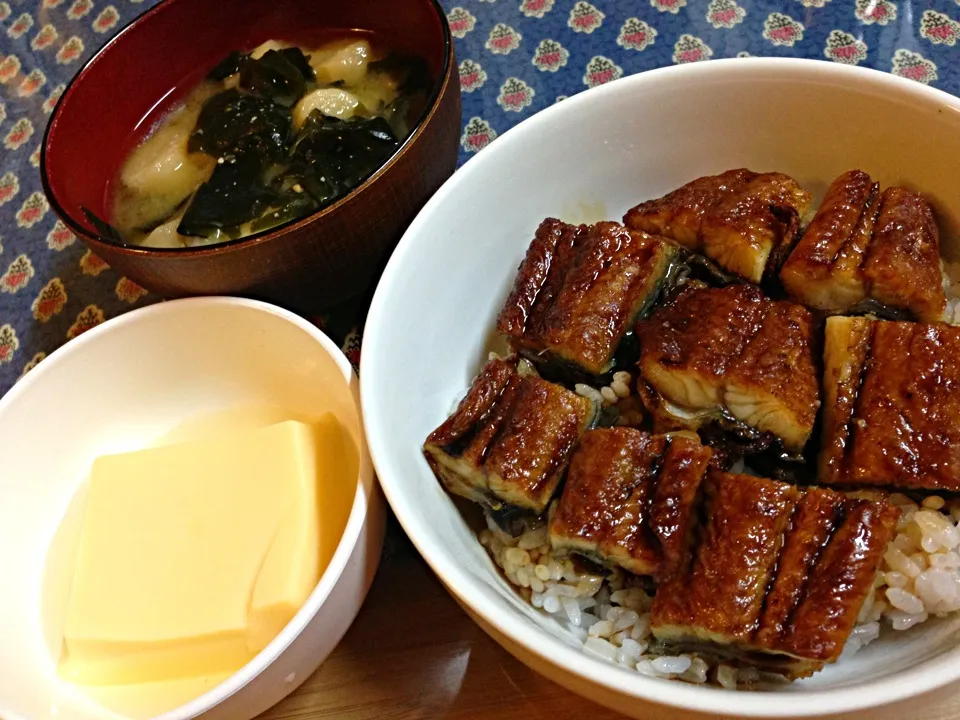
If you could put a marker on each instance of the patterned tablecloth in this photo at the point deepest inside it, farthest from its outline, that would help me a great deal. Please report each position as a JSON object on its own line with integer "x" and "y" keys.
{"x": 516, "y": 58}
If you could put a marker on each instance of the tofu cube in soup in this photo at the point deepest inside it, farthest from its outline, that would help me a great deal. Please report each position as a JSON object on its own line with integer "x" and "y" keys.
{"x": 731, "y": 352}
{"x": 578, "y": 292}
{"x": 630, "y": 499}
{"x": 746, "y": 222}
{"x": 892, "y": 410}
{"x": 510, "y": 439}
{"x": 778, "y": 577}
{"x": 869, "y": 251}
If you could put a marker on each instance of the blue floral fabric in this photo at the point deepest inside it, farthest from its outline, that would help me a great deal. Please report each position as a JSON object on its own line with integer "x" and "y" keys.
{"x": 515, "y": 57}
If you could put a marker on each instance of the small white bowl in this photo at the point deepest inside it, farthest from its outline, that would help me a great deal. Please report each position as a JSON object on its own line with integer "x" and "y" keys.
{"x": 122, "y": 386}
{"x": 592, "y": 157}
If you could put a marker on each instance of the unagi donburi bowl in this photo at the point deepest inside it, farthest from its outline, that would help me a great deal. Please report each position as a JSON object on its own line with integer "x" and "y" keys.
{"x": 591, "y": 157}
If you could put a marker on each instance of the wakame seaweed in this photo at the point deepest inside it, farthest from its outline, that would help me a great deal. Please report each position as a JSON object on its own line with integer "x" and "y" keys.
{"x": 279, "y": 75}
{"x": 327, "y": 159}
{"x": 228, "y": 66}
{"x": 296, "y": 57}
{"x": 234, "y": 194}
{"x": 232, "y": 120}
{"x": 333, "y": 156}
{"x": 103, "y": 228}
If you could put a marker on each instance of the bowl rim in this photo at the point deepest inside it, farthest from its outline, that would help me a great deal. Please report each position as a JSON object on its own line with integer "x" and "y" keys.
{"x": 439, "y": 89}
{"x": 363, "y": 502}
{"x": 813, "y": 702}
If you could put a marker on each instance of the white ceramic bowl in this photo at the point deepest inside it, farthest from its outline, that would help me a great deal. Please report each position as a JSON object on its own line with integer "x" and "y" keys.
{"x": 592, "y": 157}
{"x": 121, "y": 386}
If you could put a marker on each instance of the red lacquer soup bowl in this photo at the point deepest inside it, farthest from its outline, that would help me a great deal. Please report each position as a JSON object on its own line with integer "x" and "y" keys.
{"x": 308, "y": 264}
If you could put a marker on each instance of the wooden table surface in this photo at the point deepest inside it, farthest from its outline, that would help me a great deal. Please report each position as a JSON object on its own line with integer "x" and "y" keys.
{"x": 413, "y": 653}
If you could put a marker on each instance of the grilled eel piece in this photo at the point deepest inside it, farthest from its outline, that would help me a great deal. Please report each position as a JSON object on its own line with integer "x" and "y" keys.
{"x": 744, "y": 221}
{"x": 731, "y": 352}
{"x": 892, "y": 410}
{"x": 778, "y": 577}
{"x": 629, "y": 499}
{"x": 510, "y": 439}
{"x": 579, "y": 291}
{"x": 865, "y": 251}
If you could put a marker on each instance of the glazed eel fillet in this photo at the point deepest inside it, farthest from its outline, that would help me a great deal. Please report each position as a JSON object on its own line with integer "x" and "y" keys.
{"x": 510, "y": 439}
{"x": 579, "y": 291}
{"x": 716, "y": 354}
{"x": 891, "y": 405}
{"x": 778, "y": 577}
{"x": 630, "y": 498}
{"x": 746, "y": 222}
{"x": 865, "y": 251}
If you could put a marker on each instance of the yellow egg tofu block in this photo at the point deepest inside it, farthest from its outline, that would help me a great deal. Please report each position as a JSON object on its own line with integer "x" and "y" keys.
{"x": 194, "y": 556}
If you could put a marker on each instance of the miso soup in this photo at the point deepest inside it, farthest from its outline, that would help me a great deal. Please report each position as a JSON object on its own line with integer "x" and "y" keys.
{"x": 267, "y": 137}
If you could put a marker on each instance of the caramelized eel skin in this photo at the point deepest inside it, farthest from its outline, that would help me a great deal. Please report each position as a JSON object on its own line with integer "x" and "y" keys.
{"x": 580, "y": 289}
{"x": 779, "y": 576}
{"x": 720, "y": 599}
{"x": 816, "y": 518}
{"x": 679, "y": 214}
{"x": 893, "y": 414}
{"x": 823, "y": 271}
{"x": 773, "y": 385}
{"x": 688, "y": 344}
{"x": 629, "y": 499}
{"x": 732, "y": 349}
{"x": 840, "y": 581}
{"x": 903, "y": 260}
{"x": 846, "y": 347}
{"x": 746, "y": 222}
{"x": 538, "y": 282}
{"x": 510, "y": 439}
{"x": 862, "y": 245}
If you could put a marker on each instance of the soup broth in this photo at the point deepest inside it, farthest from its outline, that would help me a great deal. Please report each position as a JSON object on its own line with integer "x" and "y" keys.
{"x": 267, "y": 137}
